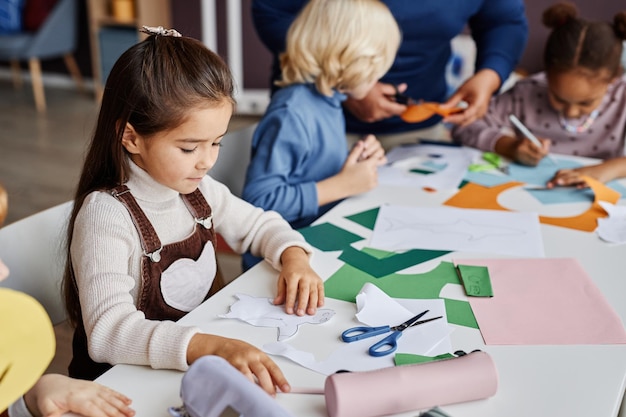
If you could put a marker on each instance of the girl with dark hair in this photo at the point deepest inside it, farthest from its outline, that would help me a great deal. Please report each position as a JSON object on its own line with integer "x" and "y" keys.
{"x": 141, "y": 237}
{"x": 575, "y": 107}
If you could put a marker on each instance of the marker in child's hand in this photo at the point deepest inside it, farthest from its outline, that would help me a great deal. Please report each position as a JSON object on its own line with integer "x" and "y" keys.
{"x": 527, "y": 133}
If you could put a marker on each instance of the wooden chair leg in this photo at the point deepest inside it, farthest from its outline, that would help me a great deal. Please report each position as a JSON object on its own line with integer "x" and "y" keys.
{"x": 37, "y": 81}
{"x": 16, "y": 73}
{"x": 72, "y": 67}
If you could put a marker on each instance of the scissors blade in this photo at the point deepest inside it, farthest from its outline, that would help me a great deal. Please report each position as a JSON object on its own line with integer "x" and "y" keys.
{"x": 417, "y": 323}
{"x": 410, "y": 322}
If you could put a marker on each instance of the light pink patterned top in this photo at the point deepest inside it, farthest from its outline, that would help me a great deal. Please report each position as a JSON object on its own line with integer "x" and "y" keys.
{"x": 528, "y": 100}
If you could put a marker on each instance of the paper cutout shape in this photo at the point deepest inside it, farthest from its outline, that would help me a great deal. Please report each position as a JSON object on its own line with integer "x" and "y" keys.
{"x": 261, "y": 312}
{"x": 544, "y": 302}
{"x": 476, "y": 196}
{"x": 365, "y": 218}
{"x": 613, "y": 228}
{"x": 328, "y": 237}
{"x": 27, "y": 344}
{"x": 378, "y": 263}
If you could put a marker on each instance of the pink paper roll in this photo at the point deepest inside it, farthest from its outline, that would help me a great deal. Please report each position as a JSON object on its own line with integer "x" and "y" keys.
{"x": 411, "y": 387}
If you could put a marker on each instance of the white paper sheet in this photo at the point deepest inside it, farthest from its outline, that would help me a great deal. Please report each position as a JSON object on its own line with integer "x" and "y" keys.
{"x": 448, "y": 228}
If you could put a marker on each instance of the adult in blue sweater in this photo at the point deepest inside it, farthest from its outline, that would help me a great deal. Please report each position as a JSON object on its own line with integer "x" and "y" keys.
{"x": 499, "y": 28}
{"x": 300, "y": 163}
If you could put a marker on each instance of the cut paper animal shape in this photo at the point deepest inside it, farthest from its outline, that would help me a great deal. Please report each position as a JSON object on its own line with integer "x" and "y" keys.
{"x": 259, "y": 311}
{"x": 477, "y": 196}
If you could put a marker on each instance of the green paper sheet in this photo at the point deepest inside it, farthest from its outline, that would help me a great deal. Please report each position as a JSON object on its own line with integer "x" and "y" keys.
{"x": 346, "y": 283}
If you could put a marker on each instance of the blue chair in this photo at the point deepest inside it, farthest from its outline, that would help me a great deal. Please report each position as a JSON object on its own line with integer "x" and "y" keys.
{"x": 56, "y": 37}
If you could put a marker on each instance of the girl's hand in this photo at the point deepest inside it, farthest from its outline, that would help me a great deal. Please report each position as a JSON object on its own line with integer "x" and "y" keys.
{"x": 603, "y": 172}
{"x": 377, "y": 104}
{"x": 476, "y": 92}
{"x": 54, "y": 395}
{"x": 249, "y": 360}
{"x": 565, "y": 177}
{"x": 298, "y": 284}
{"x": 527, "y": 153}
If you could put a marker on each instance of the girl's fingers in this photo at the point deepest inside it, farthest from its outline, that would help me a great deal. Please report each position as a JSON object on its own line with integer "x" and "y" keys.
{"x": 263, "y": 378}
{"x": 303, "y": 297}
{"x": 313, "y": 300}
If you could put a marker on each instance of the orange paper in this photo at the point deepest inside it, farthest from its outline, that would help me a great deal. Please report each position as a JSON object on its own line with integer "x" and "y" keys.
{"x": 422, "y": 111}
{"x": 481, "y": 197}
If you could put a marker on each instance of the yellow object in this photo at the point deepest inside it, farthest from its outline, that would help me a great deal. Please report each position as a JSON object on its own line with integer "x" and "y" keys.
{"x": 27, "y": 344}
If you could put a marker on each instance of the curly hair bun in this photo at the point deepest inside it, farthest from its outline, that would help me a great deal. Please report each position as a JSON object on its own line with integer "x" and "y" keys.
{"x": 559, "y": 14}
{"x": 619, "y": 24}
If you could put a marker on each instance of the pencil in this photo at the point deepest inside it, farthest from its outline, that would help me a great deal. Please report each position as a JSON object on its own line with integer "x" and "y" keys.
{"x": 527, "y": 133}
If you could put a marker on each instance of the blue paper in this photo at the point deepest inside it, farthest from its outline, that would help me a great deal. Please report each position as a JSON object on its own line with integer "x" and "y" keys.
{"x": 539, "y": 176}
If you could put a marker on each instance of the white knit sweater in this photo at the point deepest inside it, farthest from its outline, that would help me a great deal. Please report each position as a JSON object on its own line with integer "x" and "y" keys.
{"x": 106, "y": 255}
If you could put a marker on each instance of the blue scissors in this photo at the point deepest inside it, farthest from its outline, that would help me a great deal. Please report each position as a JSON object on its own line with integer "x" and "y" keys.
{"x": 388, "y": 344}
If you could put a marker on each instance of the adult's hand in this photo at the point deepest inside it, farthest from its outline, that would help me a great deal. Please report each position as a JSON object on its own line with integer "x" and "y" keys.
{"x": 476, "y": 92}
{"x": 378, "y": 104}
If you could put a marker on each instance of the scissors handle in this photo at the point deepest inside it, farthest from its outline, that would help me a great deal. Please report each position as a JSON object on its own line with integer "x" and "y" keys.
{"x": 357, "y": 333}
{"x": 386, "y": 345}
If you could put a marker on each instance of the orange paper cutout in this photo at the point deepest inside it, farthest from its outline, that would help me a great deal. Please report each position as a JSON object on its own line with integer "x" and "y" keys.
{"x": 480, "y": 197}
{"x": 419, "y": 112}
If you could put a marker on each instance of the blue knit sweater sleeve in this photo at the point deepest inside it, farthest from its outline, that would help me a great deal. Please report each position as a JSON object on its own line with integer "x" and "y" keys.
{"x": 276, "y": 178}
{"x": 500, "y": 30}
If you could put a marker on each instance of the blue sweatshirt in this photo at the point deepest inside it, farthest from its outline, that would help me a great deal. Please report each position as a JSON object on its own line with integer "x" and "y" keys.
{"x": 299, "y": 141}
{"x": 499, "y": 28}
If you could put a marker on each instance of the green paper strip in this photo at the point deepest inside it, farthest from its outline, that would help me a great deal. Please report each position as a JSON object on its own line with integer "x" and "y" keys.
{"x": 411, "y": 359}
{"x": 476, "y": 280}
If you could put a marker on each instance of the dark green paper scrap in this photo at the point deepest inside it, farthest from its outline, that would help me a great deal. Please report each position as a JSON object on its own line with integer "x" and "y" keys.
{"x": 411, "y": 359}
{"x": 421, "y": 171}
{"x": 328, "y": 237}
{"x": 379, "y": 263}
{"x": 365, "y": 218}
{"x": 346, "y": 283}
{"x": 476, "y": 280}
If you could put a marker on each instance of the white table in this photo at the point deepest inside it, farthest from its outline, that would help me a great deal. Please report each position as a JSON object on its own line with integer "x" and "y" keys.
{"x": 573, "y": 381}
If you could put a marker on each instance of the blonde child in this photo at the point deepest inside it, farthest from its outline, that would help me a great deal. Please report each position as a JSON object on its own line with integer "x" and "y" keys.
{"x": 575, "y": 107}
{"x": 300, "y": 164}
{"x": 54, "y": 394}
{"x": 142, "y": 232}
